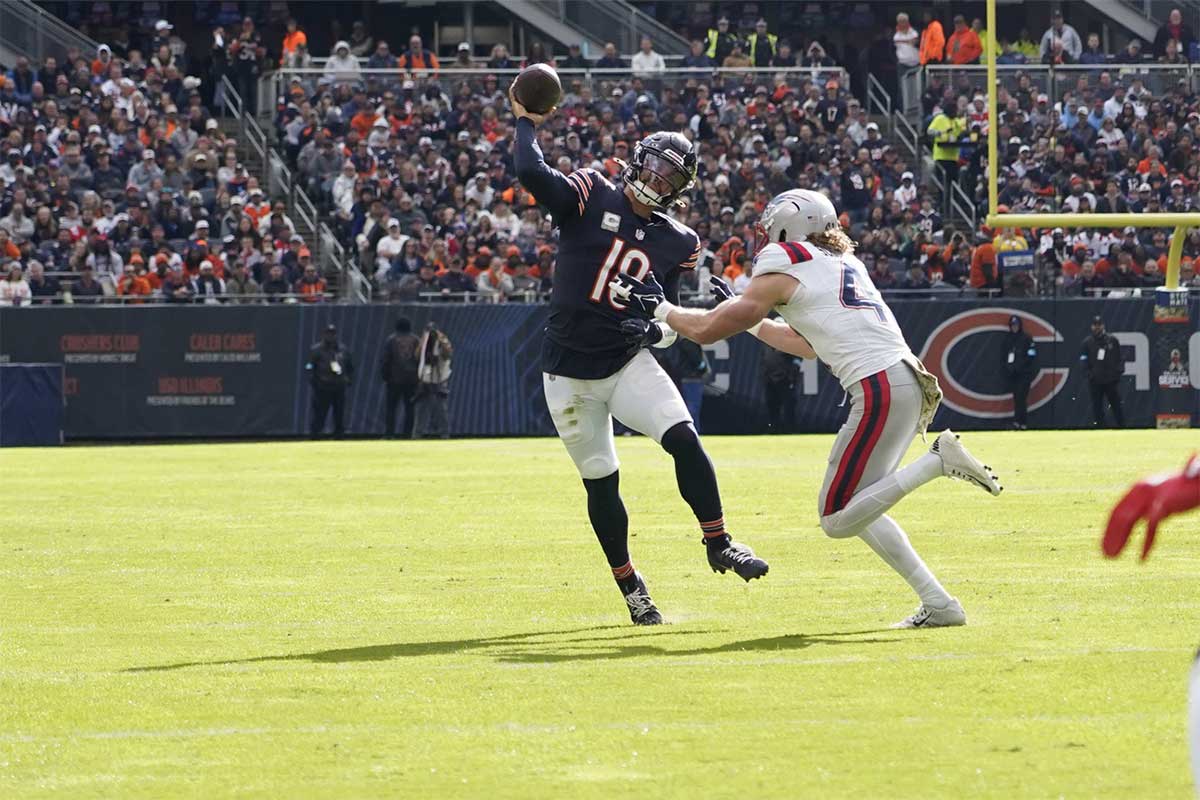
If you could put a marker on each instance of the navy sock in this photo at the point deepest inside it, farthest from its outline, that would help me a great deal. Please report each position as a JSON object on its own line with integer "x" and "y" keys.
{"x": 697, "y": 479}
{"x": 610, "y": 521}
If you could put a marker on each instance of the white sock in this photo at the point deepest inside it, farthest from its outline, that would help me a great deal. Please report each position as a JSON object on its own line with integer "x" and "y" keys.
{"x": 890, "y": 543}
{"x": 920, "y": 472}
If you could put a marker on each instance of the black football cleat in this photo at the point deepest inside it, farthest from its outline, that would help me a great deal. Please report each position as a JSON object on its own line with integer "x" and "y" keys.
{"x": 641, "y": 608}
{"x": 725, "y": 554}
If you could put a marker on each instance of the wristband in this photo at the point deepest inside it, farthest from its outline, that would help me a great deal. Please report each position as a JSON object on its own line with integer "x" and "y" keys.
{"x": 755, "y": 328}
{"x": 668, "y": 336}
{"x": 663, "y": 309}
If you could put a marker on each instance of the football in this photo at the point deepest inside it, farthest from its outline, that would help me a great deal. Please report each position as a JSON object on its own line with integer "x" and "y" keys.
{"x": 538, "y": 88}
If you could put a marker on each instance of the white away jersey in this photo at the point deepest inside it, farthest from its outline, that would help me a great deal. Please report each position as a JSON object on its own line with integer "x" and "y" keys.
{"x": 837, "y": 309}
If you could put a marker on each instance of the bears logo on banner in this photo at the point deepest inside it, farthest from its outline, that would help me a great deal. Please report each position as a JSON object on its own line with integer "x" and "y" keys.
{"x": 945, "y": 337}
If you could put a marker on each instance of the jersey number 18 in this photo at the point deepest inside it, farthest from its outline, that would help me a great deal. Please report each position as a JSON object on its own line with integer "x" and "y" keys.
{"x": 635, "y": 262}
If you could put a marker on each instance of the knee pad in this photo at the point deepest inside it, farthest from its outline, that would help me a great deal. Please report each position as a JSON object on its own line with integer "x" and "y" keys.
{"x": 680, "y": 438}
{"x": 831, "y": 524}
{"x": 597, "y": 466}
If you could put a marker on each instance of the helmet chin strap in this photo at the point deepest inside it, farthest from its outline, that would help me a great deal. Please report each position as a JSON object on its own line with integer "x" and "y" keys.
{"x": 645, "y": 194}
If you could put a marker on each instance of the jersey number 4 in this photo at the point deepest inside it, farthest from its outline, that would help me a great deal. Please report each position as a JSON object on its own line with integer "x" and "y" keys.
{"x": 634, "y": 262}
{"x": 857, "y": 294}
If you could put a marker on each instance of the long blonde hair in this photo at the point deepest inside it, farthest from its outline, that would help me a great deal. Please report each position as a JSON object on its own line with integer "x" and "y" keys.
{"x": 835, "y": 240}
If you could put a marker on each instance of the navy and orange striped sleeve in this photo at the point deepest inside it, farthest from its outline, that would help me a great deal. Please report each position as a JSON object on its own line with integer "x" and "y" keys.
{"x": 694, "y": 259}
{"x": 583, "y": 181}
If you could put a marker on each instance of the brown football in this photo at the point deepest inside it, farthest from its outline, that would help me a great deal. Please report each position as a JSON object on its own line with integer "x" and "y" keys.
{"x": 538, "y": 88}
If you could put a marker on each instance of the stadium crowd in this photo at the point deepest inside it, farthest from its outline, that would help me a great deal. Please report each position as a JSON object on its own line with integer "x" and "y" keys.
{"x": 118, "y": 180}
{"x": 118, "y": 183}
{"x": 1121, "y": 135}
{"x": 415, "y": 164}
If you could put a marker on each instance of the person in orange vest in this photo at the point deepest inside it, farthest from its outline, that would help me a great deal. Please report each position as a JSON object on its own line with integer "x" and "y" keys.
{"x": 964, "y": 46}
{"x": 417, "y": 57}
{"x": 292, "y": 39}
{"x": 933, "y": 40}
{"x": 311, "y": 286}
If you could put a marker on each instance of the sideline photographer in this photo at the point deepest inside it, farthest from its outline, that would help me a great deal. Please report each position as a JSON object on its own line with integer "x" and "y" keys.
{"x": 433, "y": 387}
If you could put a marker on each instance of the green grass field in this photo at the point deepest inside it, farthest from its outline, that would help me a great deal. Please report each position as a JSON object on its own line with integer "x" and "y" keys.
{"x": 435, "y": 620}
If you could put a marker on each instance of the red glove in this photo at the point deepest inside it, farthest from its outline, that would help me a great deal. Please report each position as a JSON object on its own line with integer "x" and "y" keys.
{"x": 1154, "y": 498}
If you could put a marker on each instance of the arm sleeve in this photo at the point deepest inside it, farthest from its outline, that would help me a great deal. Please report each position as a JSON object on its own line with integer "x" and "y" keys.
{"x": 548, "y": 186}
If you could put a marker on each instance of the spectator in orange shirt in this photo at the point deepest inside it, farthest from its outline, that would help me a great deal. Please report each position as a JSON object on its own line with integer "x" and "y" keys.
{"x": 732, "y": 254}
{"x": 417, "y": 57}
{"x": 102, "y": 60}
{"x": 983, "y": 267}
{"x": 7, "y": 248}
{"x": 311, "y": 286}
{"x": 1071, "y": 266}
{"x": 363, "y": 121}
{"x": 1152, "y": 163}
{"x": 133, "y": 285}
{"x": 483, "y": 258}
{"x": 933, "y": 40}
{"x": 257, "y": 208}
{"x": 964, "y": 46}
{"x": 292, "y": 39}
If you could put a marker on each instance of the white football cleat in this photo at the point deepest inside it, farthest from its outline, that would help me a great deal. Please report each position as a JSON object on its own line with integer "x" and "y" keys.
{"x": 930, "y": 617}
{"x": 958, "y": 463}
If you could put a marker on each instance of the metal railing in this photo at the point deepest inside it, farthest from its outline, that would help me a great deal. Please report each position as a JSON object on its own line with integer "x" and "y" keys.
{"x": 328, "y": 254}
{"x": 158, "y": 299}
{"x": 355, "y": 285}
{"x": 961, "y": 205}
{"x": 618, "y": 22}
{"x": 906, "y": 134}
{"x": 1058, "y": 83}
{"x": 274, "y": 85}
{"x": 27, "y": 29}
{"x": 688, "y": 297}
{"x": 598, "y": 80}
{"x": 879, "y": 102}
{"x": 1156, "y": 11}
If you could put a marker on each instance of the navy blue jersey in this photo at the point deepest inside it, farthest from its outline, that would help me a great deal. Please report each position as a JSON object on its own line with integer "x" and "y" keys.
{"x": 600, "y": 235}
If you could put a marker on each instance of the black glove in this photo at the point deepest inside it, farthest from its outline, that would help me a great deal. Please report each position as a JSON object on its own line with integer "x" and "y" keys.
{"x": 640, "y": 333}
{"x": 721, "y": 289}
{"x": 642, "y": 296}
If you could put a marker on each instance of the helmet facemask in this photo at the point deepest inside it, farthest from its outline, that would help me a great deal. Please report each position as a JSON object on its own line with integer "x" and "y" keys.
{"x": 761, "y": 239}
{"x": 674, "y": 178}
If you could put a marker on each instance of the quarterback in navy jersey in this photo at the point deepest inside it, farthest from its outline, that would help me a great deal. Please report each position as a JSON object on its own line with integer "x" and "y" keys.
{"x": 594, "y": 361}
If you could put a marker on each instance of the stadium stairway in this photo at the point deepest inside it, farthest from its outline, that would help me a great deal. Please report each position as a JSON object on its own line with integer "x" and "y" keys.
{"x": 232, "y": 126}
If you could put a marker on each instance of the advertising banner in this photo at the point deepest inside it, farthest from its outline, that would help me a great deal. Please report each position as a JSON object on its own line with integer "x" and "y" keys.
{"x": 1175, "y": 399}
{"x": 219, "y": 371}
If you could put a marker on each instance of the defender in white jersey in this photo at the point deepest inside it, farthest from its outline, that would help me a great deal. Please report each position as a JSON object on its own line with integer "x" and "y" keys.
{"x": 805, "y": 269}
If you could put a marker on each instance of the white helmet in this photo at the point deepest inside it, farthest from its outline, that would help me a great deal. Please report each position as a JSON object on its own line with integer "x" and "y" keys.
{"x": 793, "y": 216}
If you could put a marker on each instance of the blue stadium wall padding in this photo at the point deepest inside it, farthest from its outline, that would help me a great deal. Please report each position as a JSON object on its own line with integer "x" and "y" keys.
{"x": 205, "y": 371}
{"x": 31, "y": 405}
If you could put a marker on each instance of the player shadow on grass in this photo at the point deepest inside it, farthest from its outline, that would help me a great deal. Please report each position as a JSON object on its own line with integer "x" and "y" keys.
{"x": 796, "y": 641}
{"x": 523, "y": 648}
{"x": 385, "y": 652}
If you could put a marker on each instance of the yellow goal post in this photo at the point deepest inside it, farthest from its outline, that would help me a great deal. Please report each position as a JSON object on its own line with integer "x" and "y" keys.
{"x": 1180, "y": 222}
